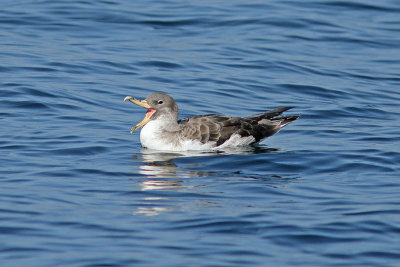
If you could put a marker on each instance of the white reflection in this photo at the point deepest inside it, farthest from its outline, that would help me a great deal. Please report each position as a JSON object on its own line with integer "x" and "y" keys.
{"x": 160, "y": 185}
{"x": 159, "y": 167}
{"x": 151, "y": 211}
{"x": 158, "y": 164}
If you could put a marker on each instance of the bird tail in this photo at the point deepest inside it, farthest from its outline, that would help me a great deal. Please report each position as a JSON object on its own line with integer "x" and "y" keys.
{"x": 266, "y": 124}
{"x": 285, "y": 120}
{"x": 274, "y": 116}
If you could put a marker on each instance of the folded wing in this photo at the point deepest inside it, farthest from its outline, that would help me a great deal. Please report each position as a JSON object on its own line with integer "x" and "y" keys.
{"x": 219, "y": 128}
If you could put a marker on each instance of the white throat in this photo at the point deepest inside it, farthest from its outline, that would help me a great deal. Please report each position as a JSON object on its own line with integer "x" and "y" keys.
{"x": 152, "y": 134}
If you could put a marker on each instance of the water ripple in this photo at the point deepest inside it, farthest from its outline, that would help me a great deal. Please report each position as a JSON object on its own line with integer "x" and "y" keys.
{"x": 77, "y": 189}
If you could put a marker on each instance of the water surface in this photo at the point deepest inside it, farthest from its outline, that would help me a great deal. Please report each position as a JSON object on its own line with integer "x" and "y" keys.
{"x": 78, "y": 190}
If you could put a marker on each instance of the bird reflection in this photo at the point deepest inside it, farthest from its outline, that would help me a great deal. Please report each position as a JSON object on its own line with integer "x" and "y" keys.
{"x": 160, "y": 184}
{"x": 151, "y": 211}
{"x": 162, "y": 173}
{"x": 159, "y": 164}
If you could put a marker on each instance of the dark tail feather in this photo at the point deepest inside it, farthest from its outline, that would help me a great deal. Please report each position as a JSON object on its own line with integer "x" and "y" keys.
{"x": 277, "y": 111}
{"x": 268, "y": 123}
{"x": 285, "y": 120}
{"x": 270, "y": 115}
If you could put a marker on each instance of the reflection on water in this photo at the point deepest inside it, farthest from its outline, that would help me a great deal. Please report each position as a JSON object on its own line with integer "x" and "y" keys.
{"x": 161, "y": 164}
{"x": 153, "y": 206}
{"x": 151, "y": 211}
{"x": 159, "y": 167}
{"x": 161, "y": 184}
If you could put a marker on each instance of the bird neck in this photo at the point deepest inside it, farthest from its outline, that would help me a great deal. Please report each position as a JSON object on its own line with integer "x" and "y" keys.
{"x": 167, "y": 122}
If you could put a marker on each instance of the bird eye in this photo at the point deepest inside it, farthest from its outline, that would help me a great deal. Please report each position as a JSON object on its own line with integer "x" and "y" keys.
{"x": 160, "y": 102}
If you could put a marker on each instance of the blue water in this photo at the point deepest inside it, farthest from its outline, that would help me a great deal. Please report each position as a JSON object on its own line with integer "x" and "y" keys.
{"x": 76, "y": 189}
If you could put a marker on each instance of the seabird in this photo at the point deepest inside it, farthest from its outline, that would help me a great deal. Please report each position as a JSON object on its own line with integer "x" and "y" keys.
{"x": 162, "y": 130}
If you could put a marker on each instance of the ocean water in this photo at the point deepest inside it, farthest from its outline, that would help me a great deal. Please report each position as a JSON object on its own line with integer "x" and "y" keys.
{"x": 76, "y": 189}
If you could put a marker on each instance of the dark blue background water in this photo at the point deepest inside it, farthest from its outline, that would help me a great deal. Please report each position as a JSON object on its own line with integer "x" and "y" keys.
{"x": 77, "y": 190}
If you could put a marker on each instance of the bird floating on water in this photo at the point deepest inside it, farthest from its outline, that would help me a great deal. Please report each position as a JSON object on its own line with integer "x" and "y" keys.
{"x": 162, "y": 130}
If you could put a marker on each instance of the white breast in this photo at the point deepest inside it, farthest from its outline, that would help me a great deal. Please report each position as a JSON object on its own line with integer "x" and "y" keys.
{"x": 151, "y": 136}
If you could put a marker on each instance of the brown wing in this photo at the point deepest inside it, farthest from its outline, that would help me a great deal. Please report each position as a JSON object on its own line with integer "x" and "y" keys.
{"x": 219, "y": 128}
{"x": 212, "y": 127}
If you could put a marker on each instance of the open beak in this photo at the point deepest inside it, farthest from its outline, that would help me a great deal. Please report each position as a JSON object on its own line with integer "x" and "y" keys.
{"x": 144, "y": 104}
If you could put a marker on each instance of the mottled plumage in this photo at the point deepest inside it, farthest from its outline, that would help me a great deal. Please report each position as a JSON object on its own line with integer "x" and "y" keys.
{"x": 162, "y": 130}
